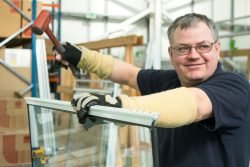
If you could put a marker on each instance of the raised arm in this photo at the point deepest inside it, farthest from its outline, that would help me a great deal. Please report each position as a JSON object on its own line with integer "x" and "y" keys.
{"x": 124, "y": 73}
{"x": 105, "y": 66}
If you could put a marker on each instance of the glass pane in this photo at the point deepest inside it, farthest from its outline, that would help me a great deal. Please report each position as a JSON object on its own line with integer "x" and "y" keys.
{"x": 59, "y": 140}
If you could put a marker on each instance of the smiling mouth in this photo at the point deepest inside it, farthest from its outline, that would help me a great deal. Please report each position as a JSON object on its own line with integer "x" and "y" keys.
{"x": 193, "y": 65}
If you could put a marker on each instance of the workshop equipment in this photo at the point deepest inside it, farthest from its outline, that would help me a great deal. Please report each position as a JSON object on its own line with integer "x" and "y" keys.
{"x": 39, "y": 153}
{"x": 41, "y": 25}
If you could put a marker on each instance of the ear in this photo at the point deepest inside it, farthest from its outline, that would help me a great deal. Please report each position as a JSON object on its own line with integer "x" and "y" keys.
{"x": 170, "y": 52}
{"x": 218, "y": 49}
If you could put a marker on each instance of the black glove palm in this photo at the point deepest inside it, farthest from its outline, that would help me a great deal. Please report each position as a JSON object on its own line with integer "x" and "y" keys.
{"x": 72, "y": 54}
{"x": 83, "y": 102}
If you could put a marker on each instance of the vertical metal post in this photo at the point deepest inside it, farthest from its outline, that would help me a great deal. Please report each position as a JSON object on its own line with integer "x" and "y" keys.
{"x": 232, "y": 41}
{"x": 59, "y": 20}
{"x": 155, "y": 151}
{"x": 232, "y": 14}
{"x": 212, "y": 9}
{"x": 153, "y": 59}
{"x": 192, "y": 6}
{"x": 34, "y": 65}
{"x": 232, "y": 17}
{"x": 59, "y": 39}
{"x": 157, "y": 32}
{"x": 88, "y": 21}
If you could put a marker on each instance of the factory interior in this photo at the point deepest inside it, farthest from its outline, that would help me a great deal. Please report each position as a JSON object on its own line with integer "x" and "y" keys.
{"x": 40, "y": 95}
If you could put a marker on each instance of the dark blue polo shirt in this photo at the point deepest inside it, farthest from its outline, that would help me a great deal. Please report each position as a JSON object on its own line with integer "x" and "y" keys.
{"x": 221, "y": 141}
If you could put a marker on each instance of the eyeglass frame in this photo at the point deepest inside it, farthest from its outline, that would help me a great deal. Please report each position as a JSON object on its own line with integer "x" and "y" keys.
{"x": 195, "y": 46}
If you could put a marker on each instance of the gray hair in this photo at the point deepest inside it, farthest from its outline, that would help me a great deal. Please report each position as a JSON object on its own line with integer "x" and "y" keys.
{"x": 190, "y": 20}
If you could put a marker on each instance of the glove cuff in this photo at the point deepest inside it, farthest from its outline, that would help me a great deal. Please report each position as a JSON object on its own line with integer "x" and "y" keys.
{"x": 95, "y": 62}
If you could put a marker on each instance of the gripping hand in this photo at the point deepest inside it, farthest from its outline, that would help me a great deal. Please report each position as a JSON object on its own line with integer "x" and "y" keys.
{"x": 83, "y": 102}
{"x": 70, "y": 54}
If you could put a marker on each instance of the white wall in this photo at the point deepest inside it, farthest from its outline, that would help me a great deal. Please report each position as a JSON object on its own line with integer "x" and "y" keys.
{"x": 218, "y": 10}
{"x": 76, "y": 30}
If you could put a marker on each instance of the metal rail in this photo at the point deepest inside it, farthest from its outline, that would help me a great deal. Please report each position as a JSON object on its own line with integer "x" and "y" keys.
{"x": 111, "y": 113}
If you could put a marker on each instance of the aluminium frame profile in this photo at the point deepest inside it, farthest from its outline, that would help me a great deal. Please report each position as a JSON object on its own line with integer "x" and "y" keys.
{"x": 44, "y": 92}
{"x": 117, "y": 114}
{"x": 122, "y": 115}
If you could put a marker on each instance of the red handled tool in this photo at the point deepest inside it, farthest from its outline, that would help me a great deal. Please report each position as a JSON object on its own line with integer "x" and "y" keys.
{"x": 41, "y": 25}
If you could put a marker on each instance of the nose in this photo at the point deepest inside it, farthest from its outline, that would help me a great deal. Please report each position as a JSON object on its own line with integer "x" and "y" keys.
{"x": 193, "y": 53}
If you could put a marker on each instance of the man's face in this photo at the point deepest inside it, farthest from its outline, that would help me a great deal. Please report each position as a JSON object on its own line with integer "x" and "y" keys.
{"x": 194, "y": 67}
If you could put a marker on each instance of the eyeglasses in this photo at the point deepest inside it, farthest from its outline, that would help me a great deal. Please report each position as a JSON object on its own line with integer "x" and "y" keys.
{"x": 202, "y": 47}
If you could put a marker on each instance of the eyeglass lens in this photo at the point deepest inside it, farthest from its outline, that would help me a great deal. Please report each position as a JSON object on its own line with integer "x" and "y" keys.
{"x": 200, "y": 48}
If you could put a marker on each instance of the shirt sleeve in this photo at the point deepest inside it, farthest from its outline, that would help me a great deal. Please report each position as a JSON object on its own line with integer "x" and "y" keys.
{"x": 151, "y": 81}
{"x": 229, "y": 94}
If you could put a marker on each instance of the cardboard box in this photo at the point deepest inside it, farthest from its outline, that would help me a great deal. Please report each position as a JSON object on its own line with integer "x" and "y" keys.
{"x": 13, "y": 114}
{"x": 20, "y": 61}
{"x": 15, "y": 148}
{"x": 10, "y": 20}
{"x": 27, "y": 9}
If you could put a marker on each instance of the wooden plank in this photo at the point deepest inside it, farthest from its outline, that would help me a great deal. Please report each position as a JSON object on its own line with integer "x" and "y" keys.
{"x": 248, "y": 68}
{"x": 134, "y": 143}
{"x": 129, "y": 54}
{"x": 123, "y": 145}
{"x": 237, "y": 53}
{"x": 115, "y": 42}
{"x": 240, "y": 52}
{"x": 65, "y": 89}
{"x": 67, "y": 79}
{"x": 129, "y": 58}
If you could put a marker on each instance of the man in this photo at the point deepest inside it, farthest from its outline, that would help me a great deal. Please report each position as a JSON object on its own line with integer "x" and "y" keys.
{"x": 204, "y": 112}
